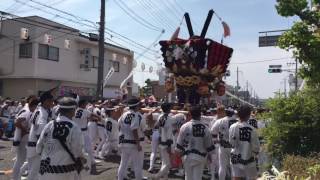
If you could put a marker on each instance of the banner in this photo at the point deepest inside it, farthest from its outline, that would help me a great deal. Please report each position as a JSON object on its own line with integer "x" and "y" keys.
{"x": 126, "y": 79}
{"x": 108, "y": 76}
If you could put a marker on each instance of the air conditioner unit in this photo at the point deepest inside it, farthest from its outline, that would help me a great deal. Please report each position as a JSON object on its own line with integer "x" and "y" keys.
{"x": 85, "y": 67}
{"x": 24, "y": 34}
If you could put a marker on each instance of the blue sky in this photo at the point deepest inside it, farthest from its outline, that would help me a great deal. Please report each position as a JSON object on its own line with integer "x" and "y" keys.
{"x": 245, "y": 17}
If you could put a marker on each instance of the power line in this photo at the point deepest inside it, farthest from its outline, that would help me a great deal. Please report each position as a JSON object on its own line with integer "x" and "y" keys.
{"x": 164, "y": 19}
{"x": 260, "y": 61}
{"x": 156, "y": 6}
{"x": 59, "y": 16}
{"x": 64, "y": 12}
{"x": 126, "y": 8}
{"x": 173, "y": 12}
{"x": 154, "y": 16}
{"x": 81, "y": 23}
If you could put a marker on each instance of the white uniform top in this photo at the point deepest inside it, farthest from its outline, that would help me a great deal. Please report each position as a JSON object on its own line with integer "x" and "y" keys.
{"x": 195, "y": 140}
{"x": 12, "y": 110}
{"x": 25, "y": 114}
{"x": 97, "y": 112}
{"x": 245, "y": 144}
{"x": 179, "y": 119}
{"x": 90, "y": 108}
{"x": 55, "y": 112}
{"x": 18, "y": 109}
{"x": 220, "y": 130}
{"x": 208, "y": 120}
{"x": 51, "y": 149}
{"x": 39, "y": 119}
{"x": 128, "y": 122}
{"x": 81, "y": 118}
{"x": 167, "y": 123}
{"x": 112, "y": 128}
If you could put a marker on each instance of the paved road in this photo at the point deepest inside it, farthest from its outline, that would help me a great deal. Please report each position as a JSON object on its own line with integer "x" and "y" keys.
{"x": 106, "y": 169}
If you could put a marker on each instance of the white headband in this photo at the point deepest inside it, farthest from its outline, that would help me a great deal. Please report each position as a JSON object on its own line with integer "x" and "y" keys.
{"x": 110, "y": 109}
{"x": 67, "y": 107}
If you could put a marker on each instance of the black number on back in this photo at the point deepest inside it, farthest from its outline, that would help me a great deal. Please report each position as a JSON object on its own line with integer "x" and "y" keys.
{"x": 198, "y": 130}
{"x": 79, "y": 114}
{"x": 109, "y": 126}
{"x": 129, "y": 118}
{"x": 245, "y": 134}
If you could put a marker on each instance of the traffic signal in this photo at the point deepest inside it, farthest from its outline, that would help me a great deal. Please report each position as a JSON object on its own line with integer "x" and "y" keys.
{"x": 276, "y": 70}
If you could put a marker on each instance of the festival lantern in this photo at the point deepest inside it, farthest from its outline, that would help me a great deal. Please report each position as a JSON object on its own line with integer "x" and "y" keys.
{"x": 143, "y": 66}
{"x": 197, "y": 62}
{"x": 134, "y": 64}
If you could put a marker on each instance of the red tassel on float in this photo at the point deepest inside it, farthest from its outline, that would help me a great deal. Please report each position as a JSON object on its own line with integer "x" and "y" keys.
{"x": 226, "y": 29}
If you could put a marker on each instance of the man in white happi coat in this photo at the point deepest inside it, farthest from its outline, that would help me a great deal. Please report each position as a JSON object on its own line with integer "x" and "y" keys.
{"x": 195, "y": 143}
{"x": 40, "y": 117}
{"x": 112, "y": 132}
{"x": 131, "y": 138}
{"x": 152, "y": 119}
{"x": 165, "y": 124}
{"x": 245, "y": 146}
{"x": 81, "y": 118}
{"x": 20, "y": 140}
{"x": 61, "y": 144}
{"x": 220, "y": 129}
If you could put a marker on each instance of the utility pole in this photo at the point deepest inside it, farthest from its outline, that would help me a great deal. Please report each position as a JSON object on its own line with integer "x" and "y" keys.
{"x": 296, "y": 81}
{"x": 237, "y": 89}
{"x": 285, "y": 87}
{"x": 247, "y": 93}
{"x": 101, "y": 51}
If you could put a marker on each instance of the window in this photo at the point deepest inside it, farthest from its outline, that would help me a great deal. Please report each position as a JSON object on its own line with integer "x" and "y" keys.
{"x": 95, "y": 62}
{"x": 48, "y": 52}
{"x": 25, "y": 50}
{"x": 115, "y": 65}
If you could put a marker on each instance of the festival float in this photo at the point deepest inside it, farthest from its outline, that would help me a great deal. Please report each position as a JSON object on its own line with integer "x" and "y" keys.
{"x": 198, "y": 64}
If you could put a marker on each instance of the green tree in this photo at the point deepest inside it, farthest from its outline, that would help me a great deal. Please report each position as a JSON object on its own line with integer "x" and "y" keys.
{"x": 295, "y": 124}
{"x": 147, "y": 89}
{"x": 304, "y": 36}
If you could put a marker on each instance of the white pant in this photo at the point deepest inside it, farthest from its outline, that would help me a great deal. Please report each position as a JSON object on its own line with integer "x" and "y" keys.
{"x": 21, "y": 157}
{"x": 65, "y": 176}
{"x": 165, "y": 165}
{"x": 193, "y": 169}
{"x": 224, "y": 162}
{"x": 154, "y": 148}
{"x": 102, "y": 137}
{"x": 34, "y": 167}
{"x": 93, "y": 132}
{"x": 108, "y": 147}
{"x": 88, "y": 147}
{"x": 214, "y": 165}
{"x": 131, "y": 154}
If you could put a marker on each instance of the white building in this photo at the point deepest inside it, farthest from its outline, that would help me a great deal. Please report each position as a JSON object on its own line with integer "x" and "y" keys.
{"x": 37, "y": 54}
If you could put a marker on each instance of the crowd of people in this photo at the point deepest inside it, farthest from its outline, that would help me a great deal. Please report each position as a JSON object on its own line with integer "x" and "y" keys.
{"x": 60, "y": 138}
